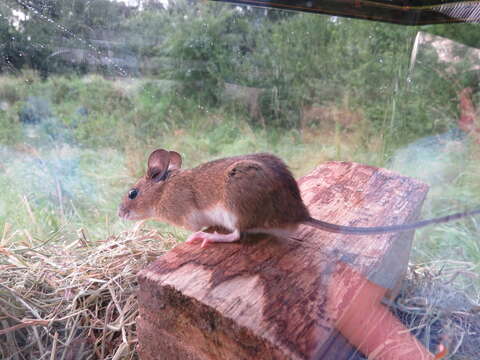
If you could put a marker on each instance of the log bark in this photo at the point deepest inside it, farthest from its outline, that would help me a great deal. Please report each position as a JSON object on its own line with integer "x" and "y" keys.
{"x": 266, "y": 298}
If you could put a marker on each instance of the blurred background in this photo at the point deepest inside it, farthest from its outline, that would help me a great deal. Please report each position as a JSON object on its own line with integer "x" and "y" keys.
{"x": 89, "y": 88}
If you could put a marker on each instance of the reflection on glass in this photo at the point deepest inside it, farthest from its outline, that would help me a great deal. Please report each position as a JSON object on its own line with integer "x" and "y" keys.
{"x": 89, "y": 88}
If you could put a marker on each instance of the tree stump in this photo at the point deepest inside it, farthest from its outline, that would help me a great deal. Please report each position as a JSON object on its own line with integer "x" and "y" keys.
{"x": 267, "y": 298}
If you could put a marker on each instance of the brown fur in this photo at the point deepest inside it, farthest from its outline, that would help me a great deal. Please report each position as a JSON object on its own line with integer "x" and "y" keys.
{"x": 256, "y": 188}
{"x": 262, "y": 185}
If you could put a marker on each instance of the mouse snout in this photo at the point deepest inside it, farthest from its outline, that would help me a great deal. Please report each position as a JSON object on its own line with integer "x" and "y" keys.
{"x": 123, "y": 212}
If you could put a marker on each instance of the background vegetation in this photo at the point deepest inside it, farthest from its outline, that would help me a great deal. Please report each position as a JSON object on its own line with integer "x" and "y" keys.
{"x": 88, "y": 88}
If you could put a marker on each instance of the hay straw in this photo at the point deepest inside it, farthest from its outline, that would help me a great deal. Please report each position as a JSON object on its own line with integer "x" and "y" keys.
{"x": 79, "y": 301}
{"x": 76, "y": 301}
{"x": 437, "y": 312}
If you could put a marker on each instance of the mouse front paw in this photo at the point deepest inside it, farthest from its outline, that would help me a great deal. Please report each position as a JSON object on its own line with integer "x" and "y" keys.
{"x": 212, "y": 237}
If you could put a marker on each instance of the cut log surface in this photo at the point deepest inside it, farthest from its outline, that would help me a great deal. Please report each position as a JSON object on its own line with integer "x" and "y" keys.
{"x": 265, "y": 298}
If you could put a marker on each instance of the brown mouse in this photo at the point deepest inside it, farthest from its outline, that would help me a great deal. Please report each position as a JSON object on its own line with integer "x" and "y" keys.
{"x": 246, "y": 194}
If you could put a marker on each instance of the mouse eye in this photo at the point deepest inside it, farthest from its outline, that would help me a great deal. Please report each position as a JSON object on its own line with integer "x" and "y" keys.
{"x": 132, "y": 194}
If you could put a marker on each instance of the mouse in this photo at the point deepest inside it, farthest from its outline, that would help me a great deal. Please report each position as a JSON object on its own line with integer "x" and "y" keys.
{"x": 247, "y": 194}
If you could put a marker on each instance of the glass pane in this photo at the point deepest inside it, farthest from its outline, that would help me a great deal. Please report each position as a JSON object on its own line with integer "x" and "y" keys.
{"x": 89, "y": 89}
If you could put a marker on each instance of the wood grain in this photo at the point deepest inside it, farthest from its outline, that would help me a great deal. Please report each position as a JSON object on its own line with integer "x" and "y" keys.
{"x": 267, "y": 298}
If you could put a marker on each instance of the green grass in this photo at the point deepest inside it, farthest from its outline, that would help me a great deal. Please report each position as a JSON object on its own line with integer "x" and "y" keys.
{"x": 70, "y": 171}
{"x": 458, "y": 240}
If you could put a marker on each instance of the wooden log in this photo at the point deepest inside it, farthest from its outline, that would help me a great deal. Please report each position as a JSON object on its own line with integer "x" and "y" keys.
{"x": 267, "y": 298}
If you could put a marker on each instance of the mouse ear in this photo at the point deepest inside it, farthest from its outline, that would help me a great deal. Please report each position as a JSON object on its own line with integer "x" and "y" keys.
{"x": 158, "y": 162}
{"x": 175, "y": 161}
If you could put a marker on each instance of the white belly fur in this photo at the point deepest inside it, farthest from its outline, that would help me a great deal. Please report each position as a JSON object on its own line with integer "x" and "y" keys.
{"x": 215, "y": 216}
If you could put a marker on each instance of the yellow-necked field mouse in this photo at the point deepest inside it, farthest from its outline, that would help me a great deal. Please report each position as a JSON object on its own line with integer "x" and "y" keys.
{"x": 244, "y": 194}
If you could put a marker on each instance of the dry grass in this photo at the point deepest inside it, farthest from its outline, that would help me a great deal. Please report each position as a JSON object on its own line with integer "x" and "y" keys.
{"x": 76, "y": 301}
{"x": 439, "y": 305}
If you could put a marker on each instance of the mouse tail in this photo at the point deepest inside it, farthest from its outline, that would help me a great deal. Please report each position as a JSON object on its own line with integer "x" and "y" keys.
{"x": 339, "y": 229}
{"x": 354, "y": 230}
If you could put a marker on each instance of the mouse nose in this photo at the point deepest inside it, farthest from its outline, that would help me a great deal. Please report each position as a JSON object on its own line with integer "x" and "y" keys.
{"x": 122, "y": 212}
